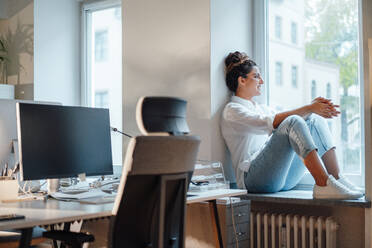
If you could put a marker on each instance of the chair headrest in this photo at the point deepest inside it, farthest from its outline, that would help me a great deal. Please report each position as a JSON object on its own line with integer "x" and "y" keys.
{"x": 161, "y": 116}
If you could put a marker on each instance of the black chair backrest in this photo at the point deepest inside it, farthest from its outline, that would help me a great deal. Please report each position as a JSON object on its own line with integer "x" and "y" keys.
{"x": 156, "y": 115}
{"x": 151, "y": 210}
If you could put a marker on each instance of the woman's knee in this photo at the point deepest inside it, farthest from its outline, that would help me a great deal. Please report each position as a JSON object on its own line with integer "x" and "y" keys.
{"x": 292, "y": 121}
{"x": 316, "y": 120}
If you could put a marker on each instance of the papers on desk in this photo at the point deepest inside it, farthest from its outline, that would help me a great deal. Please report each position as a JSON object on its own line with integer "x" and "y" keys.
{"x": 94, "y": 193}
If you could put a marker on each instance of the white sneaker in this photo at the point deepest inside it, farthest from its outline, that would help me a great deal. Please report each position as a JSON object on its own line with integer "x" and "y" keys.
{"x": 334, "y": 190}
{"x": 342, "y": 179}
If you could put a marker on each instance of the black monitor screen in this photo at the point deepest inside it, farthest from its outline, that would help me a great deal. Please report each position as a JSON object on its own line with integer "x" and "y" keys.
{"x": 61, "y": 141}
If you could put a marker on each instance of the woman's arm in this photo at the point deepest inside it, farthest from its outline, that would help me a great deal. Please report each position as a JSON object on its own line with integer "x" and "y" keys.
{"x": 321, "y": 106}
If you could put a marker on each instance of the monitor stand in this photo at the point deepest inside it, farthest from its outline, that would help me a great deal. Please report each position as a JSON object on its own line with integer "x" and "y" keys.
{"x": 52, "y": 185}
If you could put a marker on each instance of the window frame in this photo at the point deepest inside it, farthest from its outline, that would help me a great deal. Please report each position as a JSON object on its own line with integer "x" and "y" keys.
{"x": 86, "y": 11}
{"x": 261, "y": 53}
{"x": 87, "y": 59}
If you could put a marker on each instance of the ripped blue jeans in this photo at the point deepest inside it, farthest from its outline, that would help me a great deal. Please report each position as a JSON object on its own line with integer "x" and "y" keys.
{"x": 278, "y": 166}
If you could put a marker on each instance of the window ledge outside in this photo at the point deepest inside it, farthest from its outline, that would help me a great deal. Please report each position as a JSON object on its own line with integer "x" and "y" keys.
{"x": 305, "y": 197}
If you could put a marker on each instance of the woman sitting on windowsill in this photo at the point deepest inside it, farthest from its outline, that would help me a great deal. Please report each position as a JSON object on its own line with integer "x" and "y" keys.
{"x": 271, "y": 151}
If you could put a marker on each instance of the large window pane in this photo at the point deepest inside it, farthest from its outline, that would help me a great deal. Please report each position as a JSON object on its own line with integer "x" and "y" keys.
{"x": 320, "y": 37}
{"x": 105, "y": 66}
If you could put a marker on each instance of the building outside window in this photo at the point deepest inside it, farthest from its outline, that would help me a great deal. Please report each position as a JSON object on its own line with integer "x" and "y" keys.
{"x": 321, "y": 58}
{"x": 101, "y": 45}
{"x": 101, "y": 99}
{"x": 294, "y": 32}
{"x": 278, "y": 27}
{"x": 102, "y": 87}
{"x": 329, "y": 91}
{"x": 313, "y": 89}
{"x": 279, "y": 73}
{"x": 294, "y": 76}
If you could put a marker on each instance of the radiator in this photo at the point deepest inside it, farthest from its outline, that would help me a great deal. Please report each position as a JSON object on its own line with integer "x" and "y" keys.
{"x": 292, "y": 231}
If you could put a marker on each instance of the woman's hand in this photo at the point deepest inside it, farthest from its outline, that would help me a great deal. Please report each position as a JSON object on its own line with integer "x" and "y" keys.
{"x": 321, "y": 106}
{"x": 324, "y": 107}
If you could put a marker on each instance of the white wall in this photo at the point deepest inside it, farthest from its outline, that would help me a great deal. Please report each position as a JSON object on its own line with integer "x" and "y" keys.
{"x": 57, "y": 51}
{"x": 231, "y": 30}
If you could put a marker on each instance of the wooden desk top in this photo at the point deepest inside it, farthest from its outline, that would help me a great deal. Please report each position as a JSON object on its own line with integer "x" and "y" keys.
{"x": 52, "y": 211}
{"x": 213, "y": 194}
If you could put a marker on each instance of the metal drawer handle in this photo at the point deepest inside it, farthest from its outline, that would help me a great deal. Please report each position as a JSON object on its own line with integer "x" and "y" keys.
{"x": 241, "y": 233}
{"x": 240, "y": 215}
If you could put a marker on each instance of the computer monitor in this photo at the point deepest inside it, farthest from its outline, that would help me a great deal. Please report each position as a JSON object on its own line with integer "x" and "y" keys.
{"x": 63, "y": 141}
{"x": 8, "y": 130}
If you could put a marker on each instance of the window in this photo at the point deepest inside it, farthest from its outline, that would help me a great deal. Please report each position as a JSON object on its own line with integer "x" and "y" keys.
{"x": 294, "y": 32}
{"x": 278, "y": 73}
{"x": 102, "y": 86}
{"x": 101, "y": 99}
{"x": 118, "y": 13}
{"x": 313, "y": 89}
{"x": 329, "y": 91}
{"x": 278, "y": 27}
{"x": 326, "y": 34}
{"x": 101, "y": 45}
{"x": 294, "y": 76}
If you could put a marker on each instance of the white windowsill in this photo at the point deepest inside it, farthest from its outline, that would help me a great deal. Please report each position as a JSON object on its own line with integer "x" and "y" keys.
{"x": 305, "y": 197}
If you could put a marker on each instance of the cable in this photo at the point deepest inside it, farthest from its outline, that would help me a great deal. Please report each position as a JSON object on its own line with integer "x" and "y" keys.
{"x": 233, "y": 222}
{"x": 118, "y": 131}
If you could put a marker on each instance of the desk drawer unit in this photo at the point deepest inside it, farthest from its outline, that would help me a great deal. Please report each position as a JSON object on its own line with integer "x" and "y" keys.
{"x": 240, "y": 211}
{"x": 240, "y": 233}
{"x": 199, "y": 231}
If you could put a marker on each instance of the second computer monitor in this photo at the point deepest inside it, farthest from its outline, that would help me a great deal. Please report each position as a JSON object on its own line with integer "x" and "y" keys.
{"x": 63, "y": 141}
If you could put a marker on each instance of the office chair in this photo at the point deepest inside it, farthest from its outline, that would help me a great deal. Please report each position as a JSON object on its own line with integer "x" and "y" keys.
{"x": 149, "y": 210}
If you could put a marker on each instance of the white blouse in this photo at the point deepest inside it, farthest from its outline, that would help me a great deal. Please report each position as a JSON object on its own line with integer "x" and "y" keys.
{"x": 246, "y": 127}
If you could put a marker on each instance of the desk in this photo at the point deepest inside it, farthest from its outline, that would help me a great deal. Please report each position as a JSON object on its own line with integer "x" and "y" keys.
{"x": 47, "y": 213}
{"x": 39, "y": 213}
{"x": 211, "y": 196}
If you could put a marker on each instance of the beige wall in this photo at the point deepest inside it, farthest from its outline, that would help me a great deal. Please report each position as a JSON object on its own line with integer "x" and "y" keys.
{"x": 166, "y": 51}
{"x": 177, "y": 48}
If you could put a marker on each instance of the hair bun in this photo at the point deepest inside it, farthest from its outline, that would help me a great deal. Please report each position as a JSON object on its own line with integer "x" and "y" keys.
{"x": 235, "y": 59}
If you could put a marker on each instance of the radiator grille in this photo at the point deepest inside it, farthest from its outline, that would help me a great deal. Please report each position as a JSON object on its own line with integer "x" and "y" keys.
{"x": 292, "y": 231}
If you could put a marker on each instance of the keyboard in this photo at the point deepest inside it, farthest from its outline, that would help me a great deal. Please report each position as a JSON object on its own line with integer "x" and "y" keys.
{"x": 99, "y": 200}
{"x": 74, "y": 190}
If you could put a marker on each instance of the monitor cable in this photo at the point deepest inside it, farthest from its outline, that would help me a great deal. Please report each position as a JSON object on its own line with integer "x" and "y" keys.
{"x": 114, "y": 129}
